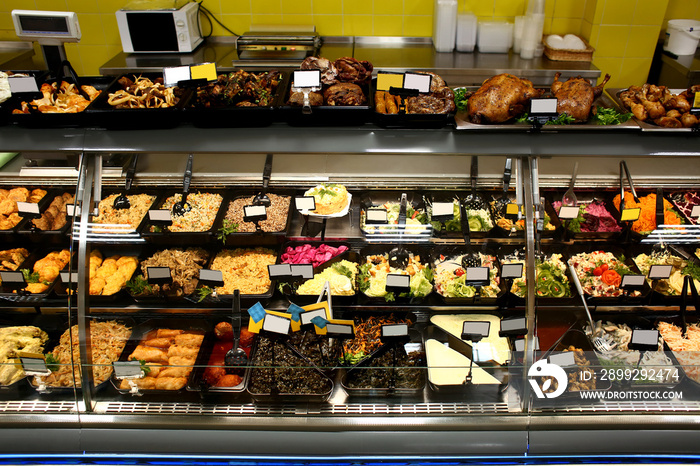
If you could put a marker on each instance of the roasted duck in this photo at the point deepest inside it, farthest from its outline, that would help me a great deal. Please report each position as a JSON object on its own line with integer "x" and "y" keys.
{"x": 501, "y": 98}
{"x": 575, "y": 96}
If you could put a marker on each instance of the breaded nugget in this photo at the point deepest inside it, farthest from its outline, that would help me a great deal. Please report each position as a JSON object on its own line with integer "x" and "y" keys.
{"x": 18, "y": 194}
{"x": 8, "y": 206}
{"x": 97, "y": 284}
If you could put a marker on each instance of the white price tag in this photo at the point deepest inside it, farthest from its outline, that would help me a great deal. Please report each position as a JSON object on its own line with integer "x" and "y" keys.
{"x": 543, "y": 106}
{"x": 376, "y": 216}
{"x": 211, "y": 275}
{"x": 482, "y": 352}
{"x": 305, "y": 271}
{"x": 276, "y": 324}
{"x": 631, "y": 281}
{"x": 279, "y": 270}
{"x": 394, "y": 330}
{"x": 695, "y": 212}
{"x": 339, "y": 329}
{"x": 308, "y": 315}
{"x": 20, "y": 84}
{"x": 34, "y": 365}
{"x": 127, "y": 369}
{"x": 307, "y": 78}
{"x": 28, "y": 208}
{"x": 418, "y": 81}
{"x": 69, "y": 278}
{"x": 660, "y": 272}
{"x": 516, "y": 324}
{"x": 475, "y": 329}
{"x": 563, "y": 359}
{"x": 72, "y": 210}
{"x": 394, "y": 280}
{"x": 158, "y": 273}
{"x": 443, "y": 209}
{"x": 305, "y": 203}
{"x": 160, "y": 215}
{"x": 8, "y": 276}
{"x": 512, "y": 270}
{"x": 172, "y": 75}
{"x": 648, "y": 338}
{"x": 520, "y": 344}
{"x": 477, "y": 274}
{"x": 251, "y": 211}
{"x": 568, "y": 212}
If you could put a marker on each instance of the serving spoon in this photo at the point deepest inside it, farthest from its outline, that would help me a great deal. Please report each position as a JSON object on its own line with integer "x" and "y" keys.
{"x": 236, "y": 356}
{"x": 182, "y": 207}
{"x": 398, "y": 257}
{"x": 121, "y": 201}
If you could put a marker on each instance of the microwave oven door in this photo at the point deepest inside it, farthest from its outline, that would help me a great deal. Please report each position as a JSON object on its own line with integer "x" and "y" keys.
{"x": 152, "y": 31}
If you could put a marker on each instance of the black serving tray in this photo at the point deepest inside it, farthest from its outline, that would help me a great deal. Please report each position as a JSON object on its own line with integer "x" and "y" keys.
{"x": 450, "y": 253}
{"x": 586, "y": 198}
{"x": 22, "y": 296}
{"x": 254, "y": 237}
{"x": 111, "y": 234}
{"x": 26, "y": 228}
{"x": 324, "y": 115}
{"x": 189, "y": 238}
{"x": 407, "y": 120}
{"x": 141, "y": 331}
{"x": 102, "y": 114}
{"x": 234, "y": 116}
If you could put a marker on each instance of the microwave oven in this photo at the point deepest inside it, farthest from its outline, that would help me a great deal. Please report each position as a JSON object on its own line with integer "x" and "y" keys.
{"x": 160, "y": 31}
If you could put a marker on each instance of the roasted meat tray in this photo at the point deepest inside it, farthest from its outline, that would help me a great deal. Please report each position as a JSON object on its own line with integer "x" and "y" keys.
{"x": 324, "y": 114}
{"x": 242, "y": 98}
{"x": 432, "y": 110}
{"x": 648, "y": 124}
{"x": 138, "y": 102}
{"x": 54, "y": 223}
{"x": 10, "y": 215}
{"x": 40, "y": 271}
{"x": 463, "y": 122}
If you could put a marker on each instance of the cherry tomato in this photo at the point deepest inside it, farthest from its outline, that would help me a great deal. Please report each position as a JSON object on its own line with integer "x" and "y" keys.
{"x": 459, "y": 272}
{"x": 597, "y": 271}
{"x": 604, "y": 267}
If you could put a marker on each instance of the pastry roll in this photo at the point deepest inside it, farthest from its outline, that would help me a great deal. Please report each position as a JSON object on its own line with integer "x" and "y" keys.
{"x": 170, "y": 383}
{"x": 149, "y": 354}
{"x": 166, "y": 332}
{"x": 159, "y": 342}
{"x": 189, "y": 339}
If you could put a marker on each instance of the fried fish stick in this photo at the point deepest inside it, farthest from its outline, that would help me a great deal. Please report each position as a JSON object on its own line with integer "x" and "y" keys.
{"x": 189, "y": 339}
{"x": 391, "y": 107}
{"x": 170, "y": 383}
{"x": 166, "y": 332}
{"x": 379, "y": 103}
{"x": 149, "y": 354}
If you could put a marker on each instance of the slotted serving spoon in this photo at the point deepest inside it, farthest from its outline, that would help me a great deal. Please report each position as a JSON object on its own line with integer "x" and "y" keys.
{"x": 182, "y": 207}
{"x": 398, "y": 257}
{"x": 121, "y": 201}
{"x": 599, "y": 343}
{"x": 470, "y": 258}
{"x": 261, "y": 198}
{"x": 569, "y": 197}
{"x": 500, "y": 204}
{"x": 236, "y": 356}
{"x": 474, "y": 201}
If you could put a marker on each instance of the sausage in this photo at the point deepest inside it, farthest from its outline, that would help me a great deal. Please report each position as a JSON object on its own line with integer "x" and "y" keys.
{"x": 379, "y": 102}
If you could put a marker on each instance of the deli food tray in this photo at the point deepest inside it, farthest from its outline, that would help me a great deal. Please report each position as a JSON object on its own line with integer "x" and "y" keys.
{"x": 608, "y": 213}
{"x": 238, "y": 113}
{"x": 27, "y": 227}
{"x": 614, "y": 94}
{"x": 102, "y": 114}
{"x": 279, "y": 225}
{"x": 150, "y": 330}
{"x": 325, "y": 115}
{"x": 189, "y": 228}
{"x": 42, "y": 292}
{"x": 407, "y": 120}
{"x": 463, "y": 123}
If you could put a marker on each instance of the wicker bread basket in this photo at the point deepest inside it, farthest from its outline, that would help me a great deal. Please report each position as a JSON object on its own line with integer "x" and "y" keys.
{"x": 568, "y": 55}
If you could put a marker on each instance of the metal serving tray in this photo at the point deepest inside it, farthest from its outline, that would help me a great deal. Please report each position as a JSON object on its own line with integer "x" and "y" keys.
{"x": 614, "y": 94}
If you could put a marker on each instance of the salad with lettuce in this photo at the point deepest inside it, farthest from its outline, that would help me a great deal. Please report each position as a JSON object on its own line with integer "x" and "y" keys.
{"x": 373, "y": 273}
{"x": 450, "y": 278}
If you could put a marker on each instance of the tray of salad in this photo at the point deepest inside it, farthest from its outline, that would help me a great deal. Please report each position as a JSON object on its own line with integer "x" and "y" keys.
{"x": 595, "y": 219}
{"x": 666, "y": 291}
{"x": 451, "y": 278}
{"x": 375, "y": 266}
{"x": 601, "y": 272}
{"x": 387, "y": 206}
{"x": 480, "y": 221}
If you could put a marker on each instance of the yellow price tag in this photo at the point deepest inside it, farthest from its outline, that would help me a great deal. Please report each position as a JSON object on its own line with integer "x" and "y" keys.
{"x": 385, "y": 81}
{"x": 696, "y": 101}
{"x": 205, "y": 71}
{"x": 512, "y": 209}
{"x": 630, "y": 215}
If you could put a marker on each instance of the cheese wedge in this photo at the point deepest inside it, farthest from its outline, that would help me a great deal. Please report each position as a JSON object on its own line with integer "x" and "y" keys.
{"x": 448, "y": 367}
{"x": 452, "y": 324}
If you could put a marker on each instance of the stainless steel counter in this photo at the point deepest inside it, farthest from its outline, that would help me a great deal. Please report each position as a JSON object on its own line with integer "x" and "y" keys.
{"x": 16, "y": 55}
{"x": 385, "y": 53}
{"x": 679, "y": 71}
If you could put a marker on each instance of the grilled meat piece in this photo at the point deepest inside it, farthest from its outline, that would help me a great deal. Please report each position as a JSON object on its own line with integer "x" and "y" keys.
{"x": 351, "y": 70}
{"x": 501, "y": 98}
{"x": 442, "y": 100}
{"x": 240, "y": 89}
{"x": 329, "y": 73}
{"x": 297, "y": 98}
{"x": 344, "y": 94}
{"x": 575, "y": 96}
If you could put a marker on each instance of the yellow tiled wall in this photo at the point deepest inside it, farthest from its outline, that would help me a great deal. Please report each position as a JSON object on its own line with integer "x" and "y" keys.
{"x": 624, "y": 32}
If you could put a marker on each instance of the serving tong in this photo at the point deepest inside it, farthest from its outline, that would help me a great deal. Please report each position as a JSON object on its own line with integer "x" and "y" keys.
{"x": 261, "y": 198}
{"x": 688, "y": 282}
{"x": 474, "y": 201}
{"x": 398, "y": 257}
{"x": 501, "y": 204}
{"x": 470, "y": 257}
{"x": 236, "y": 356}
{"x": 182, "y": 207}
{"x": 600, "y": 343}
{"x": 569, "y": 197}
{"x": 122, "y": 201}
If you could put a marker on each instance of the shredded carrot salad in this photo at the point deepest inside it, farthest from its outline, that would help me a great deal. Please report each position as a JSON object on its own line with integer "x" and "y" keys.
{"x": 647, "y": 219}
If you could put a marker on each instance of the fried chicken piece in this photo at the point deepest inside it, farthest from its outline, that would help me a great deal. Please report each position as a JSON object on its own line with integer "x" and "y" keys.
{"x": 689, "y": 120}
{"x": 668, "y": 122}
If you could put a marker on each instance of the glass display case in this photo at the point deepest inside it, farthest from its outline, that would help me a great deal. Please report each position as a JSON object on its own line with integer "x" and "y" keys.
{"x": 457, "y": 362}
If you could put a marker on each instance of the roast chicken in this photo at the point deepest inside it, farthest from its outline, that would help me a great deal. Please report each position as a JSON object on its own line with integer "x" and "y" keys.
{"x": 501, "y": 98}
{"x": 575, "y": 96}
